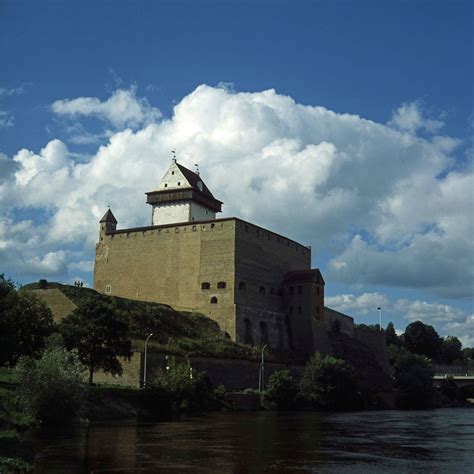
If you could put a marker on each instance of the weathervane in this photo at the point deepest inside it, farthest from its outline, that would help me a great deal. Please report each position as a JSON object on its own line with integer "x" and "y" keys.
{"x": 196, "y": 167}
{"x": 173, "y": 153}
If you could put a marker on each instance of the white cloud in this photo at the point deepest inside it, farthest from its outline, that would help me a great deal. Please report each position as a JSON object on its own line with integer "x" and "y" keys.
{"x": 409, "y": 118}
{"x": 122, "y": 109}
{"x": 304, "y": 171}
{"x": 363, "y": 304}
{"x": 446, "y": 319}
{"x": 6, "y": 118}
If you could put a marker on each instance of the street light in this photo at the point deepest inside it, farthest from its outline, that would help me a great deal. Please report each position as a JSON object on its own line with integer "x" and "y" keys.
{"x": 261, "y": 377}
{"x": 144, "y": 359}
{"x": 379, "y": 309}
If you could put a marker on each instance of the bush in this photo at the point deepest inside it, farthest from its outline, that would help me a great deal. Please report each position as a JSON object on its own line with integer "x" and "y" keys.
{"x": 328, "y": 383}
{"x": 281, "y": 390}
{"x": 448, "y": 388}
{"x": 413, "y": 380}
{"x": 187, "y": 389}
{"x": 51, "y": 389}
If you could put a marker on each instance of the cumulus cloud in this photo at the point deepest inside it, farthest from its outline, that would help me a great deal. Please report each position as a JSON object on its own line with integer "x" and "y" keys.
{"x": 363, "y": 304}
{"x": 385, "y": 201}
{"x": 409, "y": 118}
{"x": 447, "y": 320}
{"x": 122, "y": 109}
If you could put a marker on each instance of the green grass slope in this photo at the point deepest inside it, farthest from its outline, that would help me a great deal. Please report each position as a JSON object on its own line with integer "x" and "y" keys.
{"x": 174, "y": 332}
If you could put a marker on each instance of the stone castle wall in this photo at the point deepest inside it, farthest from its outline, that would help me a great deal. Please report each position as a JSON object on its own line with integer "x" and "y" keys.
{"x": 242, "y": 264}
{"x": 168, "y": 264}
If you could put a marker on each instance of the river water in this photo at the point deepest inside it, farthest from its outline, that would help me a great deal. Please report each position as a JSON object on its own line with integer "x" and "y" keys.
{"x": 432, "y": 441}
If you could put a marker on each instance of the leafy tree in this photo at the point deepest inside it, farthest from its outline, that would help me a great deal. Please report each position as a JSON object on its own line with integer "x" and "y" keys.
{"x": 451, "y": 350}
{"x": 328, "y": 383}
{"x": 25, "y": 322}
{"x": 281, "y": 389}
{"x": 413, "y": 380}
{"x": 184, "y": 387}
{"x": 51, "y": 389}
{"x": 468, "y": 354}
{"x": 422, "y": 339}
{"x": 390, "y": 335}
{"x": 449, "y": 388}
{"x": 99, "y": 333}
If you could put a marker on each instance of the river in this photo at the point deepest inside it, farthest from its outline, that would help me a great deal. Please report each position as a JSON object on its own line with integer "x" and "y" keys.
{"x": 431, "y": 441}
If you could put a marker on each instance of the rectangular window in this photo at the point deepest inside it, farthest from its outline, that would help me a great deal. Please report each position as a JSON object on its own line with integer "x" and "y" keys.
{"x": 292, "y": 290}
{"x": 299, "y": 310}
{"x": 108, "y": 289}
{"x": 300, "y": 290}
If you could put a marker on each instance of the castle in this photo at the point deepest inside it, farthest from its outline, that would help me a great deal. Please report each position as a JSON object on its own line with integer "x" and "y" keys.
{"x": 256, "y": 284}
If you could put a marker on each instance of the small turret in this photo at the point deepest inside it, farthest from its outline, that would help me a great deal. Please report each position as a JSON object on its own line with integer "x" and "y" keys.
{"x": 108, "y": 224}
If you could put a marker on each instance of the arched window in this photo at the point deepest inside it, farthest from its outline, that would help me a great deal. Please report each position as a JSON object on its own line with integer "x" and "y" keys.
{"x": 248, "y": 335}
{"x": 261, "y": 290}
{"x": 221, "y": 285}
{"x": 242, "y": 285}
{"x": 205, "y": 285}
{"x": 213, "y": 300}
{"x": 263, "y": 333}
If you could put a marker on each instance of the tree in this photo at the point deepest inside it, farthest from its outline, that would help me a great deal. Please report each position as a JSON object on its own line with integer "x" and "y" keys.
{"x": 451, "y": 350}
{"x": 422, "y": 339}
{"x": 390, "y": 335}
{"x": 468, "y": 354}
{"x": 52, "y": 388}
{"x": 184, "y": 387}
{"x": 25, "y": 322}
{"x": 328, "y": 383}
{"x": 281, "y": 389}
{"x": 99, "y": 333}
{"x": 413, "y": 380}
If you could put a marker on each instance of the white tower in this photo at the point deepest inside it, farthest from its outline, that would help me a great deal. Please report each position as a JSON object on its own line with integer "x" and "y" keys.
{"x": 182, "y": 196}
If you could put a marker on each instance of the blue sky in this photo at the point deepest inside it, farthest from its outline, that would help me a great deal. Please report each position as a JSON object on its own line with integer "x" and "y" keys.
{"x": 403, "y": 65}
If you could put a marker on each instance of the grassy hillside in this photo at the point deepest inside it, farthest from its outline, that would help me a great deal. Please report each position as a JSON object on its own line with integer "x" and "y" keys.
{"x": 174, "y": 332}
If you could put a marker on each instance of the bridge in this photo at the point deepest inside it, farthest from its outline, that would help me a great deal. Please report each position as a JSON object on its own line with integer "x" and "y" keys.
{"x": 463, "y": 375}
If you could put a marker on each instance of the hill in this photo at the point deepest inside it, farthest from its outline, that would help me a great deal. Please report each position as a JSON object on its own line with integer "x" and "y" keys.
{"x": 174, "y": 332}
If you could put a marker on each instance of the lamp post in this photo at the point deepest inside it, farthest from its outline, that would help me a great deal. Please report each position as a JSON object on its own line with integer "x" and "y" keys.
{"x": 379, "y": 309}
{"x": 261, "y": 377}
{"x": 144, "y": 359}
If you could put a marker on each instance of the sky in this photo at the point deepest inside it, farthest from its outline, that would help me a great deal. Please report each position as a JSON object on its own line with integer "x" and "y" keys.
{"x": 344, "y": 125}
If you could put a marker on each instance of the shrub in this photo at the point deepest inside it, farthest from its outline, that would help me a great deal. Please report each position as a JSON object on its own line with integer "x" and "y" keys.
{"x": 328, "y": 383}
{"x": 185, "y": 387}
{"x": 449, "y": 388}
{"x": 281, "y": 390}
{"x": 413, "y": 380}
{"x": 51, "y": 389}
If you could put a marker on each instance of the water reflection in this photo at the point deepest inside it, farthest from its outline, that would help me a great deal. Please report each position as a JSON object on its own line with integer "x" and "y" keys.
{"x": 437, "y": 441}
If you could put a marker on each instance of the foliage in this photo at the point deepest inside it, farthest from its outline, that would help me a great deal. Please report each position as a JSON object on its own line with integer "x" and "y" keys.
{"x": 391, "y": 336}
{"x": 413, "y": 380}
{"x": 468, "y": 354}
{"x": 185, "y": 387}
{"x": 99, "y": 334}
{"x": 449, "y": 388}
{"x": 24, "y": 323}
{"x": 328, "y": 383}
{"x": 51, "y": 389}
{"x": 281, "y": 390}
{"x": 422, "y": 339}
{"x": 451, "y": 350}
